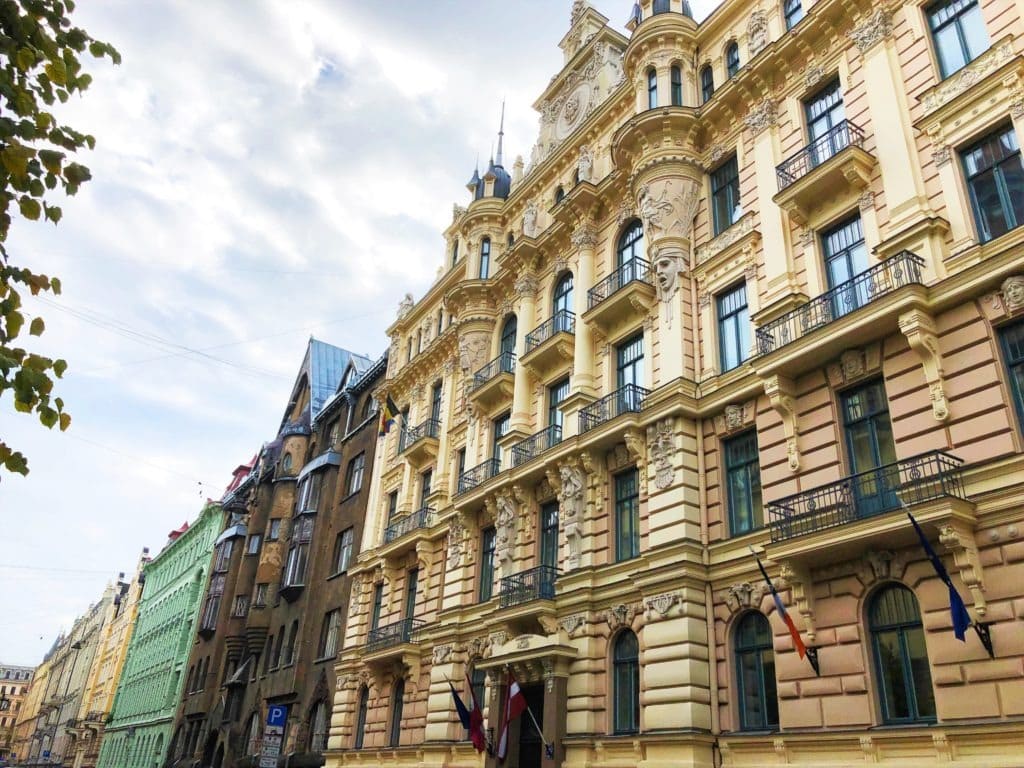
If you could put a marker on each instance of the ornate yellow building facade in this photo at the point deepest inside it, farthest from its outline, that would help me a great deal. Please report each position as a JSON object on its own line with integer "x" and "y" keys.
{"x": 760, "y": 286}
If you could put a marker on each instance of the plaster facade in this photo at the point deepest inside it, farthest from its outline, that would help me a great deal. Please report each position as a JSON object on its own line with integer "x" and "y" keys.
{"x": 579, "y": 477}
{"x": 15, "y": 682}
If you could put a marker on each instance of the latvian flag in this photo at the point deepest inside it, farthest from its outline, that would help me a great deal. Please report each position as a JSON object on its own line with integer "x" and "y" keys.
{"x": 515, "y": 705}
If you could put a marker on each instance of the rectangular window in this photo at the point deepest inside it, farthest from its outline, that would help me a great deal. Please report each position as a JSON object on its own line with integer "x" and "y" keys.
{"x": 223, "y": 559}
{"x": 556, "y": 396}
{"x": 274, "y": 532}
{"x": 411, "y": 585}
{"x": 549, "y": 534}
{"x": 354, "y": 477}
{"x": 426, "y": 480}
{"x": 725, "y": 195}
{"x": 332, "y": 435}
{"x": 826, "y": 118}
{"x": 254, "y": 544}
{"x": 793, "y": 11}
{"x": 343, "y": 550}
{"x": 629, "y": 362}
{"x": 743, "y": 483}
{"x": 329, "y": 635}
{"x": 652, "y": 89}
{"x": 958, "y": 31}
{"x": 460, "y": 462}
{"x": 487, "y": 564}
{"x": 733, "y": 327}
{"x": 295, "y": 567}
{"x": 500, "y": 429}
{"x": 392, "y": 506}
{"x": 676, "y": 76}
{"x": 485, "y": 258}
{"x": 309, "y": 494}
{"x": 1012, "y": 339}
{"x": 259, "y": 598}
{"x": 210, "y": 611}
{"x": 240, "y": 607}
{"x": 870, "y": 447}
{"x": 995, "y": 180}
{"x": 846, "y": 257}
{"x": 435, "y": 402}
{"x": 707, "y": 84}
{"x": 627, "y": 515}
{"x": 378, "y": 602}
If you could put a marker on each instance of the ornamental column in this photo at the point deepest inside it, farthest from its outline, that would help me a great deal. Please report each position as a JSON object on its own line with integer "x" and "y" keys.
{"x": 584, "y": 382}
{"x": 526, "y": 288}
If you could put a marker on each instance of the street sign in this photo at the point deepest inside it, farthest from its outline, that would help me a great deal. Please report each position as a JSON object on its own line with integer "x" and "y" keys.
{"x": 277, "y": 715}
{"x": 273, "y": 740}
{"x": 273, "y": 735}
{"x": 268, "y": 762}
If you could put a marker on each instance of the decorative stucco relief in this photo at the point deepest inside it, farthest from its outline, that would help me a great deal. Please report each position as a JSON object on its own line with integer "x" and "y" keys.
{"x": 662, "y": 451}
{"x": 877, "y": 27}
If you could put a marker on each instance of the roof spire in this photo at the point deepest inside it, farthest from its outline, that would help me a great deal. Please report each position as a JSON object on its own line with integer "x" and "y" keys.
{"x": 501, "y": 135}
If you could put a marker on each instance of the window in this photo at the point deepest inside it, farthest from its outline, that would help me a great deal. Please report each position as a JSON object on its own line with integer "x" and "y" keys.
{"x": 825, "y": 113}
{"x": 392, "y": 506}
{"x": 549, "y": 534}
{"x": 901, "y": 659}
{"x": 318, "y": 728}
{"x": 460, "y": 462}
{"x": 732, "y": 60}
{"x": 426, "y": 480}
{"x": 485, "y": 258}
{"x": 329, "y": 635}
{"x": 627, "y": 515}
{"x": 240, "y": 607}
{"x": 292, "y": 653}
{"x": 959, "y": 33}
{"x": 869, "y": 444}
{"x": 510, "y": 239}
{"x": 559, "y": 194}
{"x": 354, "y": 475}
{"x": 435, "y": 402}
{"x": 626, "y": 682}
{"x": 743, "y": 483}
{"x": 308, "y": 494}
{"x": 507, "y": 343}
{"x": 286, "y": 463}
{"x": 279, "y": 648}
{"x": 498, "y": 431}
{"x": 755, "y": 674}
{"x": 259, "y": 598}
{"x": 223, "y": 559}
{"x": 561, "y": 301}
{"x": 455, "y": 253}
{"x": 793, "y": 11}
{"x": 254, "y": 544}
{"x": 211, "y": 608}
{"x": 369, "y": 407}
{"x": 378, "y": 601}
{"x": 707, "y": 84}
{"x": 364, "y": 704}
{"x": 557, "y": 393}
{"x": 661, "y": 6}
{"x": 845, "y": 258}
{"x": 332, "y": 435}
{"x": 1012, "y": 339}
{"x": 629, "y": 362}
{"x": 733, "y": 327}
{"x": 268, "y": 653}
{"x": 725, "y": 195}
{"x": 995, "y": 180}
{"x": 343, "y": 550}
{"x": 295, "y": 566}
{"x": 676, "y": 77}
{"x": 652, "y": 88}
{"x": 411, "y": 584}
{"x": 397, "y": 702}
{"x": 487, "y": 564}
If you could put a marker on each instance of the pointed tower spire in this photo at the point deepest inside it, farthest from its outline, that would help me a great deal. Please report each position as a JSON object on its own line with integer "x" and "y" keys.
{"x": 501, "y": 136}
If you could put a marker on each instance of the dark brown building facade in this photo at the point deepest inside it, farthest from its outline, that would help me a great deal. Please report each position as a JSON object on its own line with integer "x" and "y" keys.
{"x": 273, "y": 616}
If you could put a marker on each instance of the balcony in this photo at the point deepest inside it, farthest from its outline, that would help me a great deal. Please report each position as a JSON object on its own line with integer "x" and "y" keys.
{"x": 843, "y": 301}
{"x": 536, "y": 444}
{"x": 525, "y": 587}
{"x": 419, "y": 444}
{"x": 479, "y": 474}
{"x": 392, "y": 635}
{"x": 858, "y": 504}
{"x": 833, "y": 165}
{"x": 550, "y": 346}
{"x": 628, "y": 399}
{"x": 626, "y": 294}
{"x": 419, "y": 520}
{"x": 493, "y": 383}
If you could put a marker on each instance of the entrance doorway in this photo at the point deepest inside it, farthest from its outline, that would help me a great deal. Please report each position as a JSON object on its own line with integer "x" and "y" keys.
{"x": 531, "y": 746}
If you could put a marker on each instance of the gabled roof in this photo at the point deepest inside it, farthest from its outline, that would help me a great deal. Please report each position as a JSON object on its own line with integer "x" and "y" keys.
{"x": 323, "y": 367}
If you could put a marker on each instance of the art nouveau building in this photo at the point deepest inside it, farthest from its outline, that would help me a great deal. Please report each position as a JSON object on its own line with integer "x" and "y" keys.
{"x": 760, "y": 286}
{"x": 15, "y": 682}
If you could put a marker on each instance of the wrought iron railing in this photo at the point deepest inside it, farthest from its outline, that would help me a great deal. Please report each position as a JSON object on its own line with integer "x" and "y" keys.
{"x": 503, "y": 363}
{"x": 390, "y": 635}
{"x": 535, "y": 445}
{"x": 895, "y": 272}
{"x": 628, "y": 399}
{"x": 535, "y": 584}
{"x": 421, "y": 518}
{"x": 471, "y": 478}
{"x": 429, "y": 428}
{"x": 632, "y": 270}
{"x": 905, "y": 483}
{"x": 826, "y": 146}
{"x": 563, "y": 321}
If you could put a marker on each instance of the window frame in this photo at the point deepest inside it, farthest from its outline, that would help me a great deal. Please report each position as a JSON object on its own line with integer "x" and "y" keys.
{"x": 725, "y": 195}
{"x": 767, "y": 693}
{"x": 956, "y": 21}
{"x": 485, "y": 259}
{"x": 626, "y": 501}
{"x": 344, "y": 543}
{"x": 362, "y": 709}
{"x": 330, "y": 634}
{"x": 993, "y": 138}
{"x": 707, "y": 83}
{"x": 732, "y": 60}
{"x": 396, "y": 713}
{"x": 354, "y": 474}
{"x": 625, "y": 722}
{"x": 901, "y": 628}
{"x": 1012, "y": 360}
{"x": 630, "y": 244}
{"x": 652, "y": 88}
{"x": 488, "y": 542}
{"x": 750, "y": 467}
{"x": 726, "y": 317}
{"x": 253, "y": 544}
{"x": 792, "y": 13}
{"x": 676, "y": 85}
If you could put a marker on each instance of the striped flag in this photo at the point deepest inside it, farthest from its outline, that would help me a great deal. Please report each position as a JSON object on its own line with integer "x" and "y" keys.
{"x": 811, "y": 654}
{"x": 515, "y": 705}
{"x": 476, "y": 720}
{"x": 388, "y": 414}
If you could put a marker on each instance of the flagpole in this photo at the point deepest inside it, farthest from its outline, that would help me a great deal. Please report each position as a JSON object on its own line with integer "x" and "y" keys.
{"x": 547, "y": 747}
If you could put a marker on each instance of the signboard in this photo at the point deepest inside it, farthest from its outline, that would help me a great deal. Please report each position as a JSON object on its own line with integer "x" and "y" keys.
{"x": 273, "y": 735}
{"x": 277, "y": 715}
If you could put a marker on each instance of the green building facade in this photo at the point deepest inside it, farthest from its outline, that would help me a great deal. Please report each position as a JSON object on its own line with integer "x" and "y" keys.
{"x": 140, "y": 723}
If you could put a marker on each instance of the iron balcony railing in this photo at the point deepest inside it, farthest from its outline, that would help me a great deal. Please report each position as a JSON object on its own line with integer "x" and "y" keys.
{"x": 535, "y": 445}
{"x": 895, "y": 272}
{"x": 632, "y": 270}
{"x": 471, "y": 478}
{"x": 826, "y": 146}
{"x": 535, "y": 584}
{"x": 503, "y": 363}
{"x": 421, "y": 518}
{"x": 429, "y": 428}
{"x": 563, "y": 321}
{"x": 905, "y": 483}
{"x": 390, "y": 635}
{"x": 628, "y": 399}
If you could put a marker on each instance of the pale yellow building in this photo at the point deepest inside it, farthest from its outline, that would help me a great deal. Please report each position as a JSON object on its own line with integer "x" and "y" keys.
{"x": 760, "y": 286}
{"x": 26, "y": 720}
{"x": 14, "y": 686}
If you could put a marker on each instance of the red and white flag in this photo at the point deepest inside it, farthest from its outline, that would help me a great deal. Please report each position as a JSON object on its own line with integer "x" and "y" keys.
{"x": 515, "y": 705}
{"x": 476, "y": 720}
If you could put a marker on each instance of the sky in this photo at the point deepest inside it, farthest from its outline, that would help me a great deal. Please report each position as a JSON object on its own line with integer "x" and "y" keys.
{"x": 265, "y": 170}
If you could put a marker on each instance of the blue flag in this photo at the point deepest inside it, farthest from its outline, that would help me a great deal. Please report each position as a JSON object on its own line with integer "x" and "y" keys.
{"x": 961, "y": 619}
{"x": 460, "y": 707}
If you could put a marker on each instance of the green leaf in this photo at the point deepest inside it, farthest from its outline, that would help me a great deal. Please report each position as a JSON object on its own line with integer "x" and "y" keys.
{"x": 55, "y": 285}
{"x": 48, "y": 417}
{"x": 36, "y": 327}
{"x": 59, "y": 367}
{"x": 16, "y": 462}
{"x": 65, "y": 422}
{"x": 24, "y": 59}
{"x": 30, "y": 208}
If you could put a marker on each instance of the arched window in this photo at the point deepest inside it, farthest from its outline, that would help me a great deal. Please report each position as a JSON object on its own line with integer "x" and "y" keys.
{"x": 397, "y": 702}
{"x": 755, "y": 674}
{"x": 286, "y": 463}
{"x": 626, "y": 683}
{"x": 630, "y": 248}
{"x": 677, "y": 86}
{"x": 485, "y": 258}
{"x": 455, "y": 253}
{"x": 562, "y": 298}
{"x": 252, "y": 739}
{"x": 559, "y": 194}
{"x": 661, "y": 6}
{"x": 364, "y": 705}
{"x": 508, "y": 335}
{"x": 901, "y": 659}
{"x": 318, "y": 728}
{"x": 793, "y": 10}
{"x": 707, "y": 83}
{"x": 732, "y": 59}
{"x": 280, "y": 646}
{"x": 510, "y": 240}
{"x": 652, "y": 88}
